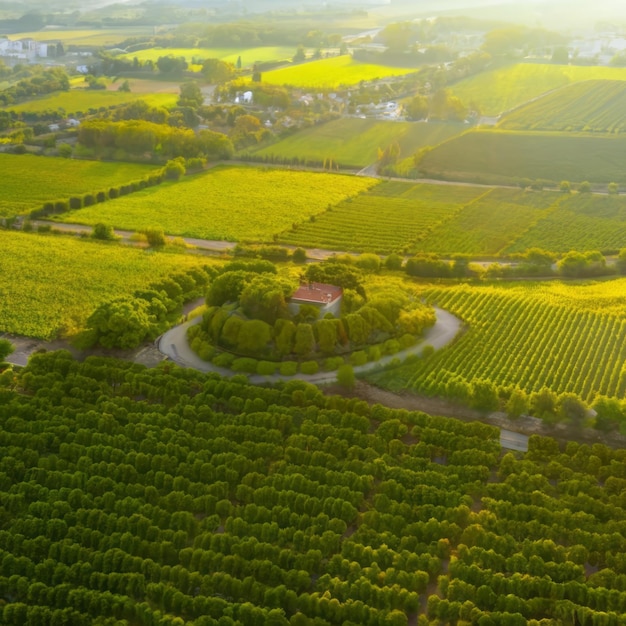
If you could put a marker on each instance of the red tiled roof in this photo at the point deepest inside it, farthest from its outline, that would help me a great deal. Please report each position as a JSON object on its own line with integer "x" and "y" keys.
{"x": 319, "y": 293}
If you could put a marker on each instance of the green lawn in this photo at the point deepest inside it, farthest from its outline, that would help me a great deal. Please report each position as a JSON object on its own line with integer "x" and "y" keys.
{"x": 28, "y": 181}
{"x": 231, "y": 203}
{"x": 507, "y": 87}
{"x": 506, "y": 156}
{"x": 331, "y": 73}
{"x": 353, "y": 142}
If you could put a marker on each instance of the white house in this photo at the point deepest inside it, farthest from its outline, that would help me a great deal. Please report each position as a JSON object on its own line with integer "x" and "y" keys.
{"x": 325, "y": 297}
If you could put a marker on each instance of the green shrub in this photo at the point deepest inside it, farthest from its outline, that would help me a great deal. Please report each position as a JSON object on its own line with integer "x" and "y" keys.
{"x": 406, "y": 341}
{"x": 101, "y": 196}
{"x": 266, "y": 368}
{"x": 76, "y": 202}
{"x": 391, "y": 346}
{"x": 88, "y": 199}
{"x": 223, "y": 359}
{"x": 332, "y": 363}
{"x": 245, "y": 364}
{"x": 427, "y": 351}
{"x": 288, "y": 368}
{"x": 358, "y": 358}
{"x": 373, "y": 353}
{"x": 60, "y": 206}
{"x": 309, "y": 367}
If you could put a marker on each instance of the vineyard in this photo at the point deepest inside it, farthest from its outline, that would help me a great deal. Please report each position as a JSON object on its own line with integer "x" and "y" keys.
{"x": 489, "y": 224}
{"x": 506, "y": 156}
{"x": 505, "y": 88}
{"x": 567, "y": 337}
{"x": 82, "y": 100}
{"x": 211, "y": 502}
{"x": 331, "y": 73}
{"x": 355, "y": 142}
{"x": 29, "y": 181}
{"x": 579, "y": 222}
{"x": 51, "y": 285}
{"x": 392, "y": 217}
{"x": 229, "y": 203}
{"x": 594, "y": 106}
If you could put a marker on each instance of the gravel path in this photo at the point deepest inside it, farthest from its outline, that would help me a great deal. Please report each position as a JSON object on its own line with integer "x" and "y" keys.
{"x": 174, "y": 345}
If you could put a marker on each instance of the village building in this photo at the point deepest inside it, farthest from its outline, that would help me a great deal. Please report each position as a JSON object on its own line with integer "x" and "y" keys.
{"x": 325, "y": 297}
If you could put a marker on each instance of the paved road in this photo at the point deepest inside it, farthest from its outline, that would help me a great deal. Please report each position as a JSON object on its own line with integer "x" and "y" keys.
{"x": 174, "y": 345}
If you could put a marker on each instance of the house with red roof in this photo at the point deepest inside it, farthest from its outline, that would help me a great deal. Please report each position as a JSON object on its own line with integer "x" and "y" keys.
{"x": 325, "y": 297}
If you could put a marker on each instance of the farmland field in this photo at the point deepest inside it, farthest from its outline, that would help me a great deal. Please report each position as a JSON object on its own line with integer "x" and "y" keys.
{"x": 507, "y": 156}
{"x": 567, "y": 337}
{"x": 95, "y": 37}
{"x": 392, "y": 217}
{"x": 354, "y": 142}
{"x": 595, "y": 106}
{"x": 231, "y": 203}
{"x": 51, "y": 285}
{"x": 28, "y": 180}
{"x": 330, "y": 73}
{"x": 489, "y": 224}
{"x": 580, "y": 222}
{"x": 81, "y": 100}
{"x": 507, "y": 87}
{"x": 249, "y": 56}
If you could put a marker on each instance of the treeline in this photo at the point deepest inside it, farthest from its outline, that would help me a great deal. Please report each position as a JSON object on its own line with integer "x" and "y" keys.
{"x": 44, "y": 82}
{"x": 127, "y": 322}
{"x": 164, "y": 495}
{"x": 141, "y": 138}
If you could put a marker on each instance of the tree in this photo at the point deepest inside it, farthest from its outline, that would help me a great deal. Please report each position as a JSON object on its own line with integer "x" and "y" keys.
{"x": 300, "y": 55}
{"x": 613, "y": 188}
{"x": 517, "y": 404}
{"x": 397, "y": 36}
{"x": 65, "y": 150}
{"x": 484, "y": 396}
{"x": 170, "y": 65}
{"x": 104, "y": 232}
{"x": 216, "y": 71}
{"x": 345, "y": 376}
{"x": 417, "y": 108}
{"x": 238, "y": 65}
{"x": 584, "y": 187}
{"x": 304, "y": 340}
{"x": 6, "y": 348}
{"x": 565, "y": 186}
{"x": 174, "y": 169}
{"x": 190, "y": 95}
{"x": 124, "y": 87}
{"x": 299, "y": 256}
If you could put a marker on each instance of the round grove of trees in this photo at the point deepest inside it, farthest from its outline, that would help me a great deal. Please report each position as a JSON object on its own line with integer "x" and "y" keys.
{"x": 249, "y": 315}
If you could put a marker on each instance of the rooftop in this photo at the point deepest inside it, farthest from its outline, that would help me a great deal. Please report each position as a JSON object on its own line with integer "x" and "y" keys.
{"x": 318, "y": 293}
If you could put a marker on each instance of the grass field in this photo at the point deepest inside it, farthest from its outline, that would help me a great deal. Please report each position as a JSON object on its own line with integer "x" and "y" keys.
{"x": 353, "y": 142}
{"x": 569, "y": 337}
{"x": 51, "y": 285}
{"x": 331, "y": 73}
{"x": 392, "y": 217}
{"x": 231, "y": 203}
{"x": 28, "y": 181}
{"x": 507, "y": 156}
{"x": 592, "y": 106}
{"x": 95, "y": 37}
{"x": 249, "y": 56}
{"x": 81, "y": 100}
{"x": 507, "y": 87}
{"x": 580, "y": 222}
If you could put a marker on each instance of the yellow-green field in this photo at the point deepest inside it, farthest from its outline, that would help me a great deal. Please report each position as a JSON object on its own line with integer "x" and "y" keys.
{"x": 51, "y": 285}
{"x": 330, "y": 73}
{"x": 249, "y": 56}
{"x": 94, "y": 37}
{"x": 81, "y": 100}
{"x": 231, "y": 203}
{"x": 353, "y": 142}
{"x": 28, "y": 181}
{"x": 507, "y": 87}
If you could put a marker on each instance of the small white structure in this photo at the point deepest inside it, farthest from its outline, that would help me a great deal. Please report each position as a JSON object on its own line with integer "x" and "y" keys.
{"x": 247, "y": 97}
{"x": 22, "y": 48}
{"x": 327, "y": 298}
{"x": 72, "y": 123}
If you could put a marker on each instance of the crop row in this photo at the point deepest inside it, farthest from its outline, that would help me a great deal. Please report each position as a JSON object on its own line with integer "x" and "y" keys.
{"x": 590, "y": 106}
{"x": 530, "y": 337}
